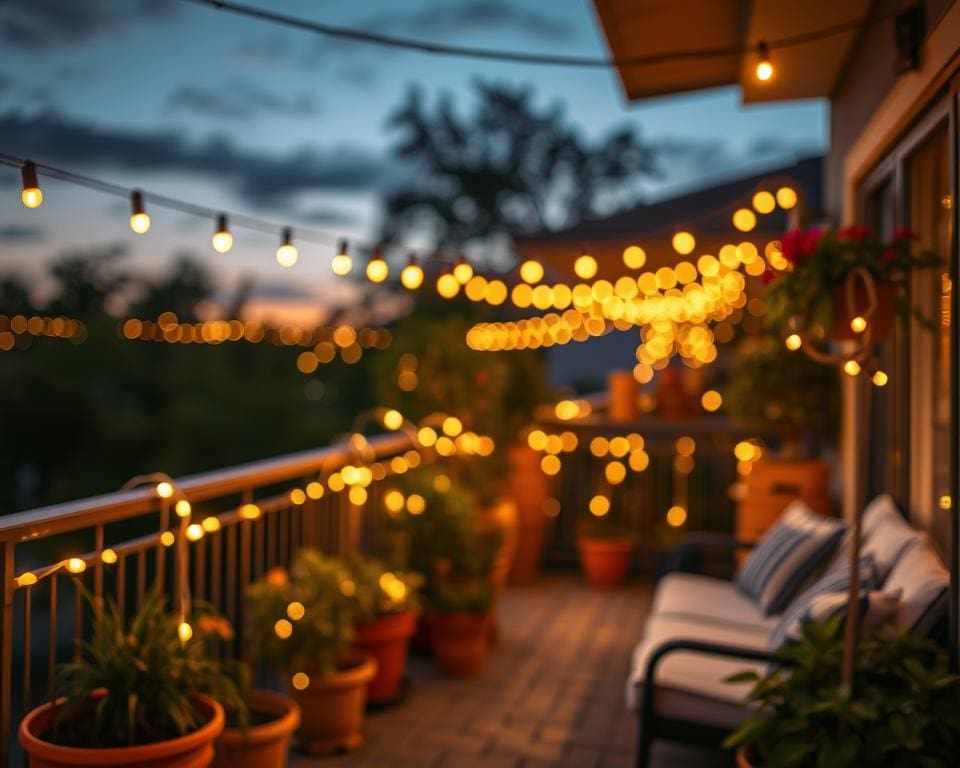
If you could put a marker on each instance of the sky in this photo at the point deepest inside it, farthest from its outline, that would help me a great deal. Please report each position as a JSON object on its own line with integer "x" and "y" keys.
{"x": 236, "y": 114}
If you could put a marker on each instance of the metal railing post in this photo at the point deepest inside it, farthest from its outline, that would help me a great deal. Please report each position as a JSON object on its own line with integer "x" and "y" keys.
{"x": 6, "y": 649}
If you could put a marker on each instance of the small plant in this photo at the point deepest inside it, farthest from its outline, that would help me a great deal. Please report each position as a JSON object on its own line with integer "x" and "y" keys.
{"x": 134, "y": 682}
{"x": 464, "y": 594}
{"x": 303, "y": 620}
{"x": 382, "y": 591}
{"x": 904, "y": 709}
{"x": 821, "y": 260}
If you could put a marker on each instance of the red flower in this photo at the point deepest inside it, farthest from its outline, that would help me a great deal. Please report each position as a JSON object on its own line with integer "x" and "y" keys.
{"x": 768, "y": 277}
{"x": 904, "y": 233}
{"x": 890, "y": 253}
{"x": 855, "y": 232}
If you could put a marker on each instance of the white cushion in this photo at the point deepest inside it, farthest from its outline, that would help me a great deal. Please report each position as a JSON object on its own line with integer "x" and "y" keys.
{"x": 875, "y": 609}
{"x": 924, "y": 582}
{"x": 692, "y": 597}
{"x": 886, "y": 535}
{"x": 691, "y": 686}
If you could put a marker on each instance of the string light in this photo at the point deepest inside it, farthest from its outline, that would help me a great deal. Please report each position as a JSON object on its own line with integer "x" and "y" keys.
{"x": 342, "y": 263}
{"x": 411, "y": 277}
{"x": 222, "y": 239}
{"x": 76, "y": 565}
{"x": 585, "y": 266}
{"x": 463, "y": 271}
{"x": 851, "y": 367}
{"x": 793, "y": 342}
{"x": 744, "y": 219}
{"x": 764, "y": 67}
{"x": 531, "y": 271}
{"x": 447, "y": 285}
{"x": 139, "y": 220}
{"x": 634, "y": 256}
{"x": 684, "y": 243}
{"x": 786, "y": 198}
{"x": 764, "y": 202}
{"x": 182, "y": 508}
{"x": 858, "y": 324}
{"x": 31, "y": 195}
{"x": 164, "y": 490}
{"x": 880, "y": 378}
{"x": 287, "y": 253}
{"x": 184, "y": 632}
{"x": 377, "y": 268}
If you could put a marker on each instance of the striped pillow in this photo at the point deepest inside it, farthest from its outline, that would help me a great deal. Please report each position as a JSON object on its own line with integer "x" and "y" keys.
{"x": 816, "y": 603}
{"x": 875, "y": 609}
{"x": 886, "y": 534}
{"x": 925, "y": 582}
{"x": 787, "y": 555}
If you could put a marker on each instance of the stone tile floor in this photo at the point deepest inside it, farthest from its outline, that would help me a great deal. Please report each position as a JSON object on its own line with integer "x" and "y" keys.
{"x": 551, "y": 694}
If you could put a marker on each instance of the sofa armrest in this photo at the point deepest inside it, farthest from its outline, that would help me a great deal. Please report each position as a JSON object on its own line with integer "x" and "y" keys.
{"x": 689, "y": 555}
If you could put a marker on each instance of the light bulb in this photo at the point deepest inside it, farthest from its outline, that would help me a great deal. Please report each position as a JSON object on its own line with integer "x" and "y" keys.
{"x": 851, "y": 367}
{"x": 377, "y": 269}
{"x": 531, "y": 271}
{"x": 585, "y": 266}
{"x": 684, "y": 243}
{"x": 764, "y": 202}
{"x": 184, "y": 631}
{"x": 412, "y": 275}
{"x": 287, "y": 253}
{"x": 880, "y": 379}
{"x": 222, "y": 239}
{"x": 342, "y": 263}
{"x": 447, "y": 285}
{"x": 744, "y": 219}
{"x": 764, "y": 67}
{"x": 139, "y": 220}
{"x": 786, "y": 198}
{"x": 858, "y": 324}
{"x": 794, "y": 342}
{"x": 32, "y": 195}
{"x": 463, "y": 271}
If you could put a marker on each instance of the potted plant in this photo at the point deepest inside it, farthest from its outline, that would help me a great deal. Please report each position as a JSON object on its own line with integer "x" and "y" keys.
{"x": 387, "y": 603}
{"x": 459, "y": 620}
{"x": 141, "y": 692}
{"x": 265, "y": 741}
{"x": 301, "y": 623}
{"x": 605, "y": 546}
{"x": 903, "y": 710}
{"x": 831, "y": 275}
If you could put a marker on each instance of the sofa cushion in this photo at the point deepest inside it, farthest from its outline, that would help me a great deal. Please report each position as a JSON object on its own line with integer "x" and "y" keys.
{"x": 696, "y": 598}
{"x": 924, "y": 582}
{"x": 787, "y": 556}
{"x": 886, "y": 535}
{"x": 691, "y": 686}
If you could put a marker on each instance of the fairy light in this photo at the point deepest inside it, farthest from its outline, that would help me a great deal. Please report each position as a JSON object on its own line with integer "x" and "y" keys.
{"x": 634, "y": 256}
{"x": 412, "y": 275}
{"x": 786, "y": 198}
{"x": 793, "y": 342}
{"x": 416, "y": 504}
{"x": 249, "y": 512}
{"x": 744, "y": 219}
{"x": 296, "y": 610}
{"x": 182, "y": 508}
{"x": 167, "y": 538}
{"x": 463, "y": 271}
{"x": 194, "y": 532}
{"x": 76, "y": 565}
{"x": 184, "y": 631}
{"x": 676, "y": 516}
{"x": 108, "y": 556}
{"x": 585, "y": 266}
{"x": 447, "y": 285}
{"x": 858, "y": 324}
{"x": 880, "y": 378}
{"x": 851, "y": 368}
{"x": 392, "y": 419}
{"x": 452, "y": 426}
{"x": 139, "y": 220}
{"x": 222, "y": 239}
{"x": 684, "y": 242}
{"x": 164, "y": 490}
{"x": 300, "y": 681}
{"x": 599, "y": 506}
{"x": 26, "y": 579}
{"x": 342, "y": 263}
{"x": 287, "y": 253}
{"x": 31, "y": 195}
{"x": 711, "y": 400}
{"x": 377, "y": 268}
{"x": 283, "y": 629}
{"x": 531, "y": 271}
{"x": 764, "y": 202}
{"x": 764, "y": 67}
{"x": 210, "y": 524}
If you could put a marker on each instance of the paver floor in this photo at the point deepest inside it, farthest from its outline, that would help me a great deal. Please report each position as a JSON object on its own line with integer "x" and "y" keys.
{"x": 551, "y": 693}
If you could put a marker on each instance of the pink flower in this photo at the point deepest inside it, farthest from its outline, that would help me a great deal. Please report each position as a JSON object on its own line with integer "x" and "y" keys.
{"x": 768, "y": 277}
{"x": 855, "y": 232}
{"x": 798, "y": 244}
{"x": 904, "y": 233}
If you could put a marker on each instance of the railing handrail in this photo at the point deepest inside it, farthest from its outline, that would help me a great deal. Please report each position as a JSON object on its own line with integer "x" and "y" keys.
{"x": 119, "y": 505}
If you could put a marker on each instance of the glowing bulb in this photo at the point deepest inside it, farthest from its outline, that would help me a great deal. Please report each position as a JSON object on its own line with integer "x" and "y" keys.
{"x": 184, "y": 631}
{"x": 167, "y": 538}
{"x": 393, "y": 419}
{"x": 300, "y": 681}
{"x": 283, "y": 628}
{"x": 634, "y": 256}
{"x": 711, "y": 400}
{"x": 794, "y": 342}
{"x": 764, "y": 202}
{"x": 249, "y": 511}
{"x": 880, "y": 379}
{"x": 447, "y": 285}
{"x": 412, "y": 275}
{"x": 585, "y": 266}
{"x": 684, "y": 243}
{"x": 676, "y": 516}
{"x": 858, "y": 324}
{"x": 182, "y": 508}
{"x": 764, "y": 67}
{"x": 786, "y": 198}
{"x": 76, "y": 565}
{"x": 452, "y": 426}
{"x": 108, "y": 556}
{"x": 194, "y": 532}
{"x": 210, "y": 524}
{"x": 463, "y": 271}
{"x": 377, "y": 269}
{"x": 222, "y": 239}
{"x": 851, "y": 367}
{"x": 164, "y": 490}
{"x": 26, "y": 579}
{"x": 531, "y": 271}
{"x": 342, "y": 264}
{"x": 599, "y": 506}
{"x": 295, "y": 610}
{"x": 139, "y": 220}
{"x": 744, "y": 219}
{"x": 287, "y": 253}
{"x": 32, "y": 195}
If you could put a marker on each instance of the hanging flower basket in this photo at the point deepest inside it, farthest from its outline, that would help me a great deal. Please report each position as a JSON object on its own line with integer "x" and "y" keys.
{"x": 881, "y": 316}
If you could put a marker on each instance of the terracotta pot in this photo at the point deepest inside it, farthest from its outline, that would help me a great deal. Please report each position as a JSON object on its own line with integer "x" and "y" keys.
{"x": 195, "y": 750}
{"x": 332, "y": 706}
{"x": 387, "y": 638}
{"x": 605, "y": 562}
{"x": 882, "y": 319}
{"x": 265, "y": 745}
{"x": 501, "y": 515}
{"x": 529, "y": 487}
{"x": 460, "y": 642}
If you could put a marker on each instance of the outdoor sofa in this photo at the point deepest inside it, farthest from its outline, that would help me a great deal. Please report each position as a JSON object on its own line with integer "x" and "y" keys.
{"x": 703, "y": 628}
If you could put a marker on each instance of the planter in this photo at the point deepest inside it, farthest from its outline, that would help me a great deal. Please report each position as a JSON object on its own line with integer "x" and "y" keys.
{"x": 529, "y": 488}
{"x": 605, "y": 562}
{"x": 263, "y": 745}
{"x": 501, "y": 515}
{"x": 195, "y": 750}
{"x": 387, "y": 639}
{"x": 460, "y": 642}
{"x": 880, "y": 323}
{"x": 332, "y": 706}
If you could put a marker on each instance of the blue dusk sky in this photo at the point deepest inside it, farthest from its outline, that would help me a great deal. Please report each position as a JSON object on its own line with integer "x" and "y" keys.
{"x": 237, "y": 114}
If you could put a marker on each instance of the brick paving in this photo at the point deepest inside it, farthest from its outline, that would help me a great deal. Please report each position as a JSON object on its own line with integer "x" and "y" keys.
{"x": 551, "y": 693}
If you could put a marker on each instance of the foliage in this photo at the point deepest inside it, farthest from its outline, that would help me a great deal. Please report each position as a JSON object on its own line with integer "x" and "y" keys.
{"x": 904, "y": 710}
{"x": 464, "y": 594}
{"x": 770, "y": 383}
{"x": 381, "y": 590}
{"x": 508, "y": 168}
{"x": 820, "y": 261}
{"x": 316, "y": 641}
{"x": 147, "y": 677}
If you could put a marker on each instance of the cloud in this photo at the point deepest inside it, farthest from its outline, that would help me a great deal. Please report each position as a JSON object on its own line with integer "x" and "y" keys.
{"x": 267, "y": 52}
{"x": 329, "y": 217}
{"x": 269, "y": 181}
{"x": 18, "y": 233}
{"x": 39, "y": 25}
{"x": 240, "y": 100}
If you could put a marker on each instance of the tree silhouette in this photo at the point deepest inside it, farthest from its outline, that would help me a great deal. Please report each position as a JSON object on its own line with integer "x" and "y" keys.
{"x": 508, "y": 168}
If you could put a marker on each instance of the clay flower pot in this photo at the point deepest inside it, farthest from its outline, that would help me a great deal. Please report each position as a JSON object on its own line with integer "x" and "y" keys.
{"x": 332, "y": 706}
{"x": 530, "y": 489}
{"x": 882, "y": 319}
{"x": 264, "y": 744}
{"x": 605, "y": 561}
{"x": 195, "y": 750}
{"x": 387, "y": 638}
{"x": 460, "y": 642}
